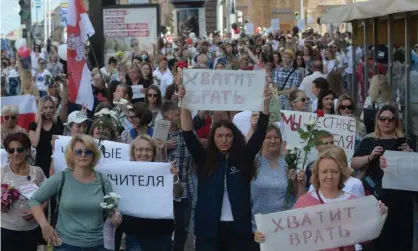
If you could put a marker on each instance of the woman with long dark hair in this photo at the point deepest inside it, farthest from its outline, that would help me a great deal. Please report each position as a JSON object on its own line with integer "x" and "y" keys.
{"x": 225, "y": 168}
{"x": 326, "y": 101}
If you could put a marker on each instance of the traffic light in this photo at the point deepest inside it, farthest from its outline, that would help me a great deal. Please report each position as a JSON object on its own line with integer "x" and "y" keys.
{"x": 25, "y": 10}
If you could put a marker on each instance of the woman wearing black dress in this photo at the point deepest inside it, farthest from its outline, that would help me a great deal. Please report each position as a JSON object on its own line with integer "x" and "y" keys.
{"x": 397, "y": 233}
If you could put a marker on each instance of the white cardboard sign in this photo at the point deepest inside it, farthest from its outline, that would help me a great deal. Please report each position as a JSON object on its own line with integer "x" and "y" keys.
{"x": 161, "y": 129}
{"x": 321, "y": 227}
{"x": 136, "y": 90}
{"x": 146, "y": 188}
{"x": 224, "y": 90}
{"x": 343, "y": 128}
{"x": 114, "y": 151}
{"x": 402, "y": 171}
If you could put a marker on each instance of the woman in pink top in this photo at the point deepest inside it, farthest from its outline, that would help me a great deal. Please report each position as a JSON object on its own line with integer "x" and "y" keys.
{"x": 328, "y": 177}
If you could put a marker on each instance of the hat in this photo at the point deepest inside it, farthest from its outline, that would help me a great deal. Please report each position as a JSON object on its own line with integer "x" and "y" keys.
{"x": 77, "y": 117}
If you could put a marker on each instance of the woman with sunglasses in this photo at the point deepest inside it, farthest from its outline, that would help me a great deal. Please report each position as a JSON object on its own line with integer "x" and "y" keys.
{"x": 154, "y": 101}
{"x": 397, "y": 233}
{"x": 79, "y": 190}
{"x": 346, "y": 107}
{"x": 19, "y": 231}
{"x": 145, "y": 234}
{"x": 9, "y": 125}
{"x": 298, "y": 101}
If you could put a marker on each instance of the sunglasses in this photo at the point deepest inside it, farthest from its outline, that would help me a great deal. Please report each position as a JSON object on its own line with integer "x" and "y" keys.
{"x": 384, "y": 119}
{"x": 10, "y": 117}
{"x": 20, "y": 149}
{"x": 302, "y": 99}
{"x": 345, "y": 107}
{"x": 87, "y": 152}
{"x": 152, "y": 95}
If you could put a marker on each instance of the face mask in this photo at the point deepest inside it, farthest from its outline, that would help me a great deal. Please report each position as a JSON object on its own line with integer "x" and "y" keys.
{"x": 169, "y": 50}
{"x": 144, "y": 57}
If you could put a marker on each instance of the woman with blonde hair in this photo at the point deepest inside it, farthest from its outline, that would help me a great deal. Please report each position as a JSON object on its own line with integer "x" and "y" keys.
{"x": 379, "y": 94}
{"x": 47, "y": 124}
{"x": 397, "y": 233}
{"x": 142, "y": 233}
{"x": 10, "y": 114}
{"x": 79, "y": 190}
{"x": 28, "y": 84}
{"x": 329, "y": 173}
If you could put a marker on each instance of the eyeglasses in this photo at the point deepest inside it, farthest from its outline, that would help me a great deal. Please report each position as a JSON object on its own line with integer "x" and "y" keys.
{"x": 10, "y": 117}
{"x": 389, "y": 119}
{"x": 150, "y": 95}
{"x": 42, "y": 63}
{"x": 144, "y": 150}
{"x": 345, "y": 107}
{"x": 87, "y": 152}
{"x": 20, "y": 149}
{"x": 132, "y": 117}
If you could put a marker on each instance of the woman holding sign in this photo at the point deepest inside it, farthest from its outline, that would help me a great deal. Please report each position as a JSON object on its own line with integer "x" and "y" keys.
{"x": 145, "y": 234}
{"x": 397, "y": 233}
{"x": 329, "y": 174}
{"x": 225, "y": 169}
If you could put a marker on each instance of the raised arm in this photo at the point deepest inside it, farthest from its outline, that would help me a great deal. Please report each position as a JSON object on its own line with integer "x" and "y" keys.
{"x": 256, "y": 141}
{"x": 192, "y": 142}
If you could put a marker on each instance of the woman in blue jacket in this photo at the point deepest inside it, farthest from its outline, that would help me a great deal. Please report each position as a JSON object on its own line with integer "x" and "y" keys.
{"x": 225, "y": 168}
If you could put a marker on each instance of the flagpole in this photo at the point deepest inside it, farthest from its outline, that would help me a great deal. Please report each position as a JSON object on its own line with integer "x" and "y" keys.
{"x": 95, "y": 58}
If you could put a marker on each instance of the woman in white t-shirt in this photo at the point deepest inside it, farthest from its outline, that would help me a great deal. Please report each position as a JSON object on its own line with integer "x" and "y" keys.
{"x": 163, "y": 75}
{"x": 19, "y": 230}
{"x": 41, "y": 76}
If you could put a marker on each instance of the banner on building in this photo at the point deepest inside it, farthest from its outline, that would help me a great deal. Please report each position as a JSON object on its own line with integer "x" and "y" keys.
{"x": 130, "y": 29}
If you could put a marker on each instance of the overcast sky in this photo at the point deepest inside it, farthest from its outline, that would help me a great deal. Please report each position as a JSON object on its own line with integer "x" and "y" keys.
{"x": 9, "y": 15}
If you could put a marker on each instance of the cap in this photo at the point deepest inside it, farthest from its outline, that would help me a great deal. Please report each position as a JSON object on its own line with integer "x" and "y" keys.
{"x": 77, "y": 117}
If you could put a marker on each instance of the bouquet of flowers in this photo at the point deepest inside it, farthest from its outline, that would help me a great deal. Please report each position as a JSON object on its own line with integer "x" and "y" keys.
{"x": 157, "y": 81}
{"x": 9, "y": 195}
{"x": 119, "y": 55}
{"x": 110, "y": 204}
{"x": 299, "y": 156}
{"x": 293, "y": 159}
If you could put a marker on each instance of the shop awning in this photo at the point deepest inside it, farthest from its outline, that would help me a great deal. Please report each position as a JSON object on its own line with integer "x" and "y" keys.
{"x": 365, "y": 10}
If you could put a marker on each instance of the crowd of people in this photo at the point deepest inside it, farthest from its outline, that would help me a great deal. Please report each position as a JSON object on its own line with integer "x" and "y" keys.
{"x": 230, "y": 163}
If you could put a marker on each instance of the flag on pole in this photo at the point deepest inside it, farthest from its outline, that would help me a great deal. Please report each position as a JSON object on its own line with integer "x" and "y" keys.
{"x": 27, "y": 108}
{"x": 79, "y": 29}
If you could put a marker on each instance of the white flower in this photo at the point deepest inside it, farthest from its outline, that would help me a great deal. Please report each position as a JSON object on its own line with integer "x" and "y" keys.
{"x": 123, "y": 101}
{"x": 312, "y": 122}
{"x": 129, "y": 107}
{"x": 299, "y": 148}
{"x": 103, "y": 205}
{"x": 114, "y": 195}
{"x": 106, "y": 197}
{"x": 110, "y": 206}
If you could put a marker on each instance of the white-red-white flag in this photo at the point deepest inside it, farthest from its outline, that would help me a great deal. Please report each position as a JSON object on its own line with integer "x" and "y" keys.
{"x": 79, "y": 29}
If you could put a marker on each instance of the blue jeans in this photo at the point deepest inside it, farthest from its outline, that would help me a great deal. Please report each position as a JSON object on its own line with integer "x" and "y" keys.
{"x": 66, "y": 247}
{"x": 148, "y": 243}
{"x": 182, "y": 215}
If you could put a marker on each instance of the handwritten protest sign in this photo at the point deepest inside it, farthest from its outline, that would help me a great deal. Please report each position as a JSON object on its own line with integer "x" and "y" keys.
{"x": 146, "y": 188}
{"x": 402, "y": 171}
{"x": 161, "y": 129}
{"x": 137, "y": 93}
{"x": 323, "y": 226}
{"x": 343, "y": 128}
{"x": 113, "y": 152}
{"x": 224, "y": 90}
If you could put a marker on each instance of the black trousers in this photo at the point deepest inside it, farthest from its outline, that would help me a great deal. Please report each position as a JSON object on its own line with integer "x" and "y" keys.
{"x": 19, "y": 240}
{"x": 227, "y": 240}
